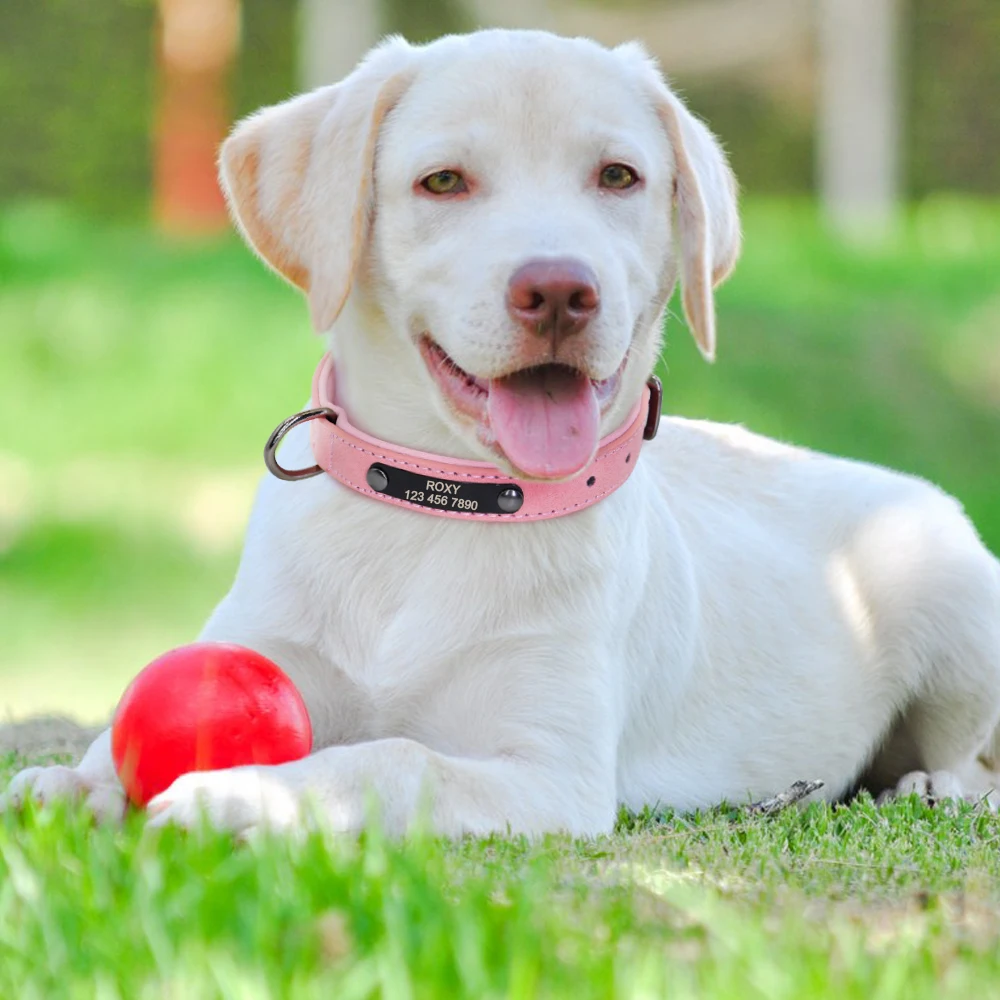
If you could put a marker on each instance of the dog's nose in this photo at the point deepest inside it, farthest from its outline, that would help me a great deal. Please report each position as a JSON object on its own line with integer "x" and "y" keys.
{"x": 556, "y": 296}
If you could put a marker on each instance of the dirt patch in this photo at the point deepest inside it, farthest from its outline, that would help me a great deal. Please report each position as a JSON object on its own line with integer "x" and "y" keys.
{"x": 45, "y": 735}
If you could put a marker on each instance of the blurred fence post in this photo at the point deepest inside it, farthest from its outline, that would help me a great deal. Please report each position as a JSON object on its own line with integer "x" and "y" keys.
{"x": 196, "y": 44}
{"x": 859, "y": 115}
{"x": 333, "y": 36}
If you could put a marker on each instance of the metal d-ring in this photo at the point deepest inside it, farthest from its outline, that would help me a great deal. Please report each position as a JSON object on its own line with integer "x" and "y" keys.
{"x": 278, "y": 434}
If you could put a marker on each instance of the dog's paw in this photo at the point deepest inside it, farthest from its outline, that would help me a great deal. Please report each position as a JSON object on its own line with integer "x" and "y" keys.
{"x": 242, "y": 800}
{"x": 936, "y": 787}
{"x": 104, "y": 799}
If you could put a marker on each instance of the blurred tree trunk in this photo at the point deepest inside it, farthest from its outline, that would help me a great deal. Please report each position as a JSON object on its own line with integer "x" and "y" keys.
{"x": 333, "y": 36}
{"x": 859, "y": 114}
{"x": 196, "y": 42}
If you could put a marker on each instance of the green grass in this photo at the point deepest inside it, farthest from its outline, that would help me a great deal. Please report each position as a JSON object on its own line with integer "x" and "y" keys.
{"x": 828, "y": 902}
{"x": 138, "y": 380}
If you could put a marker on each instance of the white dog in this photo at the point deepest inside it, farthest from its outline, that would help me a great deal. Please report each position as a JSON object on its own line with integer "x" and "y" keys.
{"x": 488, "y": 229}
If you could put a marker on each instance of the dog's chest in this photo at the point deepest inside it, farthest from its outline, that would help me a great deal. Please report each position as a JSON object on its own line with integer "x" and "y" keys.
{"x": 403, "y": 602}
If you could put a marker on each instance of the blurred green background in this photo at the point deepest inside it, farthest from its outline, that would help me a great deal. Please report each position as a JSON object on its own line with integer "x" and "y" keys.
{"x": 141, "y": 367}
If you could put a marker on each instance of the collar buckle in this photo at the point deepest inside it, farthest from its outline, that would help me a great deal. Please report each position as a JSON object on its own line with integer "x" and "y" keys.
{"x": 655, "y": 387}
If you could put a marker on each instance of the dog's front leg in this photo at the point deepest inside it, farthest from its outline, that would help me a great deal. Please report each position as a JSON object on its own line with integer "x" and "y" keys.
{"x": 404, "y": 780}
{"x": 93, "y": 782}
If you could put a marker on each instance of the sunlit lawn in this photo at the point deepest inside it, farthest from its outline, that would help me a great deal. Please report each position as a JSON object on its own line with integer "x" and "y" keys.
{"x": 139, "y": 380}
{"x": 859, "y": 902}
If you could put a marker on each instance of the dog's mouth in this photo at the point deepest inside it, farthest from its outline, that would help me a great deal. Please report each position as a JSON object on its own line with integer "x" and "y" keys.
{"x": 544, "y": 419}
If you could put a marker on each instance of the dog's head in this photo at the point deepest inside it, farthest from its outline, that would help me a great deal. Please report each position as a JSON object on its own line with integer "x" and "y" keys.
{"x": 512, "y": 210}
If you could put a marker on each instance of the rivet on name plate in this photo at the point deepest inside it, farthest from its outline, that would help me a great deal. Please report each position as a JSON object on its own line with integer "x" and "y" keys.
{"x": 510, "y": 500}
{"x": 376, "y": 478}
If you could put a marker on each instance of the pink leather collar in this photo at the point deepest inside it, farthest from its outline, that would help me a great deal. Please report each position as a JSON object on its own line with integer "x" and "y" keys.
{"x": 448, "y": 487}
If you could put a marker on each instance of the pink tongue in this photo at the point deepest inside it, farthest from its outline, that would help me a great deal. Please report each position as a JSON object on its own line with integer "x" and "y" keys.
{"x": 545, "y": 420}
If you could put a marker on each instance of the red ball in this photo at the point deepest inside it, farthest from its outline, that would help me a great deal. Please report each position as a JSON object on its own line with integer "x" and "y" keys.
{"x": 202, "y": 707}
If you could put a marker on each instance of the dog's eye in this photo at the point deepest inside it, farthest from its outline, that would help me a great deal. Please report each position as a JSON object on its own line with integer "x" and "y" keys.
{"x": 618, "y": 176}
{"x": 444, "y": 182}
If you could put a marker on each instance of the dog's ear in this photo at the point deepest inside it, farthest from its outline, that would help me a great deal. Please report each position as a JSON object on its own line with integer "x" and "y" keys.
{"x": 705, "y": 199}
{"x": 298, "y": 177}
{"x": 707, "y": 217}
